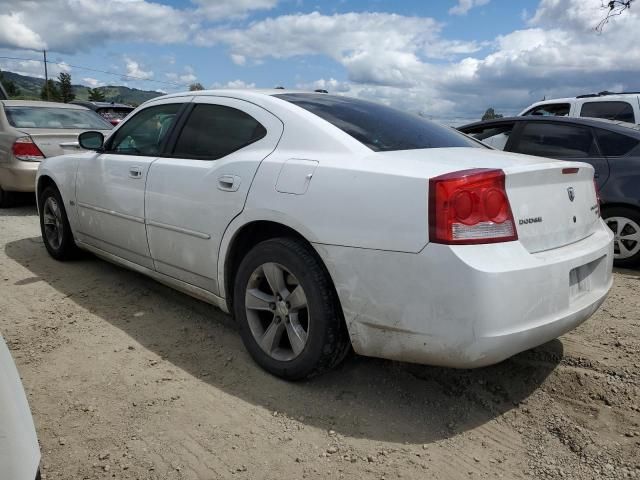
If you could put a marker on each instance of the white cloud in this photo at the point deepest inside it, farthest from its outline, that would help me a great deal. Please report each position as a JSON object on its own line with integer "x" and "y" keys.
{"x": 223, "y": 9}
{"x": 234, "y": 84}
{"x": 186, "y": 77}
{"x": 16, "y": 34}
{"x": 92, "y": 82}
{"x": 135, "y": 70}
{"x": 463, "y": 6}
{"x": 238, "y": 59}
{"x": 377, "y": 48}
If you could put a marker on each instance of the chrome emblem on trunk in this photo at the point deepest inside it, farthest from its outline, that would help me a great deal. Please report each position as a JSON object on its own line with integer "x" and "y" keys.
{"x": 572, "y": 193}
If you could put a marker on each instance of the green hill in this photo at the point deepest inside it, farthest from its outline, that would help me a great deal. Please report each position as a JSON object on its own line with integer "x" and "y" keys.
{"x": 30, "y": 88}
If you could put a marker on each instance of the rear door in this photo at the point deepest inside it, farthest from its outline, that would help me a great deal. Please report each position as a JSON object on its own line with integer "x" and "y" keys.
{"x": 562, "y": 141}
{"x": 194, "y": 193}
{"x": 110, "y": 187}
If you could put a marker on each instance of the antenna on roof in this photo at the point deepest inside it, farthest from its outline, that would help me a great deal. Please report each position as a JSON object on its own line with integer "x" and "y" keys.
{"x": 279, "y": 88}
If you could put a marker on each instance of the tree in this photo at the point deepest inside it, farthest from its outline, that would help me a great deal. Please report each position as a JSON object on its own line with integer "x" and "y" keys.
{"x": 66, "y": 89}
{"x": 490, "y": 114}
{"x": 54, "y": 93}
{"x": 614, "y": 8}
{"x": 96, "y": 95}
{"x": 195, "y": 86}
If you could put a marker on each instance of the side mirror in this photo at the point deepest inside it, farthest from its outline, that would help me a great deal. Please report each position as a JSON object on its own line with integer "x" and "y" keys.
{"x": 91, "y": 140}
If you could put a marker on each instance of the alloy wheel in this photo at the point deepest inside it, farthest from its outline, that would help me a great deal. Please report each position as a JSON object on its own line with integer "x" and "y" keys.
{"x": 626, "y": 241}
{"x": 53, "y": 224}
{"x": 277, "y": 311}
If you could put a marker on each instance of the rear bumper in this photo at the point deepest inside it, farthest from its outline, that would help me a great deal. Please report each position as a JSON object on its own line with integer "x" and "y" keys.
{"x": 18, "y": 176}
{"x": 468, "y": 306}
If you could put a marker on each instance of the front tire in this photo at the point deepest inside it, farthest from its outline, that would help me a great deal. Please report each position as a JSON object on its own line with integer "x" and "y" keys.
{"x": 288, "y": 312}
{"x": 54, "y": 225}
{"x": 625, "y": 224}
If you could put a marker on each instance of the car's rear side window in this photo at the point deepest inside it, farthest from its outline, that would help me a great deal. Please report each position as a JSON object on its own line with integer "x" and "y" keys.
{"x": 550, "y": 110}
{"x": 496, "y": 136}
{"x": 556, "y": 140}
{"x": 214, "y": 131}
{"x": 615, "y": 144}
{"x": 55, "y": 118}
{"x": 379, "y": 127}
{"x": 622, "y": 111}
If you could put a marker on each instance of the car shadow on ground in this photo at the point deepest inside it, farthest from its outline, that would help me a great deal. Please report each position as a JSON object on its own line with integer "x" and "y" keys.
{"x": 22, "y": 205}
{"x": 364, "y": 398}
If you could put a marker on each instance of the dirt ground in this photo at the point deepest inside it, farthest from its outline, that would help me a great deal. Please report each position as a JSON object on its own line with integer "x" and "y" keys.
{"x": 129, "y": 379}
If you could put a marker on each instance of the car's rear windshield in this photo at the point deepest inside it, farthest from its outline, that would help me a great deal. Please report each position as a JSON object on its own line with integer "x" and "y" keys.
{"x": 377, "y": 126}
{"x": 52, "y": 117}
{"x": 114, "y": 112}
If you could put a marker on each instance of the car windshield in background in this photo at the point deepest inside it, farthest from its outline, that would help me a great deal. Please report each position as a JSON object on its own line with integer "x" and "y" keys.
{"x": 379, "y": 127}
{"x": 117, "y": 113}
{"x": 55, "y": 118}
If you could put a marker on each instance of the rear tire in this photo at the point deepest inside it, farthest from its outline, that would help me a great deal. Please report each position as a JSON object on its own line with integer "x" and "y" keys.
{"x": 54, "y": 225}
{"x": 625, "y": 224}
{"x": 288, "y": 312}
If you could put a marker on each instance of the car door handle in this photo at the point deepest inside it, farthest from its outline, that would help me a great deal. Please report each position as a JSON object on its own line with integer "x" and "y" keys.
{"x": 228, "y": 183}
{"x": 135, "y": 172}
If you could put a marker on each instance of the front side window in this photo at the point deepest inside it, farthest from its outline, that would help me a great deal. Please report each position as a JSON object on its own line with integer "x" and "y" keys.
{"x": 143, "y": 134}
{"x": 622, "y": 111}
{"x": 55, "y": 118}
{"x": 496, "y": 136}
{"x": 550, "y": 110}
{"x": 215, "y": 131}
{"x": 614, "y": 144}
{"x": 377, "y": 126}
{"x": 558, "y": 141}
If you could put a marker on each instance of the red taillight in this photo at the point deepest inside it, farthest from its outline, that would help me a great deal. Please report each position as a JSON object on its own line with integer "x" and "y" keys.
{"x": 470, "y": 206}
{"x": 114, "y": 121}
{"x": 24, "y": 149}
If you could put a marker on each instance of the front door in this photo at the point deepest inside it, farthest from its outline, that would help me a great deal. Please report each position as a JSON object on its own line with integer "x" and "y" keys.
{"x": 110, "y": 187}
{"x": 195, "y": 193}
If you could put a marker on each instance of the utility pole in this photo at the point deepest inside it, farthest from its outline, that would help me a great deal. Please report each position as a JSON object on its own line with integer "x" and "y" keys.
{"x": 46, "y": 76}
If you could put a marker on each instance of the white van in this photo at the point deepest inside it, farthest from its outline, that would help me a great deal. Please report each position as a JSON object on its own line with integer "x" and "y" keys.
{"x": 624, "y": 107}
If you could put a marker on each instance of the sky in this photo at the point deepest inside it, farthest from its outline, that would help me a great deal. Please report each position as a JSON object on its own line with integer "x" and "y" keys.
{"x": 449, "y": 60}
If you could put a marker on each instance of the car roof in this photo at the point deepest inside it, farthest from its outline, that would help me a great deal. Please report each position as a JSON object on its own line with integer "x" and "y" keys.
{"x": 38, "y": 103}
{"x": 621, "y": 127}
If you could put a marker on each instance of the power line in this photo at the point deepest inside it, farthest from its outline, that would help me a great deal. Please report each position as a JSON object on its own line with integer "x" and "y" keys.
{"x": 121, "y": 75}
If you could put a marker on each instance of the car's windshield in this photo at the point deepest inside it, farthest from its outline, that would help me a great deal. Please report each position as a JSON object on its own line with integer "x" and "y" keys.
{"x": 55, "y": 118}
{"x": 377, "y": 126}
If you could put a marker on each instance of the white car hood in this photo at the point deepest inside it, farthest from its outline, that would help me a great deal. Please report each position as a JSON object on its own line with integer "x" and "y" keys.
{"x": 19, "y": 450}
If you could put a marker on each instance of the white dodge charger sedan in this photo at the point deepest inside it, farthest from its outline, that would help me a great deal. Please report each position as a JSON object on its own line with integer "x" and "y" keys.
{"x": 325, "y": 223}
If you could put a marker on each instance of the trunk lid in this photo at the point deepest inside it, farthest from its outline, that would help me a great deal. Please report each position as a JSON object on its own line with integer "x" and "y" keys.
{"x": 55, "y": 142}
{"x": 536, "y": 187}
{"x": 553, "y": 204}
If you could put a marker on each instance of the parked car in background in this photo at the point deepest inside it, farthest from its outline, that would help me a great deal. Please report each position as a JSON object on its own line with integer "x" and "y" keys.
{"x": 19, "y": 449}
{"x": 114, "y": 113}
{"x": 31, "y": 131}
{"x": 612, "y": 148}
{"x": 324, "y": 221}
{"x": 623, "y": 107}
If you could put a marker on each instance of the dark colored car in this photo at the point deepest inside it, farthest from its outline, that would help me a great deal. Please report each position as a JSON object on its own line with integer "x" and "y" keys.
{"x": 114, "y": 113}
{"x": 612, "y": 148}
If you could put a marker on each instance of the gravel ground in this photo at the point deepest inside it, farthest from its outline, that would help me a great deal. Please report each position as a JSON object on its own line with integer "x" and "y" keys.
{"x": 129, "y": 379}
